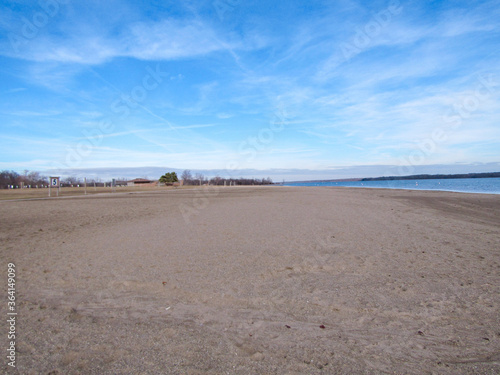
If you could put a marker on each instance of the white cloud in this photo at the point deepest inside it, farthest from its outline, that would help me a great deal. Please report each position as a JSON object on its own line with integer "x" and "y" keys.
{"x": 372, "y": 108}
{"x": 14, "y": 90}
{"x": 167, "y": 39}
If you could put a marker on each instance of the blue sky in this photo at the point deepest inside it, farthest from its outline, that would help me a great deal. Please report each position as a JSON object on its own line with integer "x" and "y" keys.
{"x": 233, "y": 85}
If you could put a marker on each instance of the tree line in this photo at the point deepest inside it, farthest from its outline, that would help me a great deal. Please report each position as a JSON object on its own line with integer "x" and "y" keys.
{"x": 33, "y": 179}
{"x": 199, "y": 179}
{"x": 434, "y": 176}
{"x": 12, "y": 179}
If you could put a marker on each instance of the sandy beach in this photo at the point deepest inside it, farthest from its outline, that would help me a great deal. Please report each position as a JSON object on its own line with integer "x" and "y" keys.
{"x": 255, "y": 280}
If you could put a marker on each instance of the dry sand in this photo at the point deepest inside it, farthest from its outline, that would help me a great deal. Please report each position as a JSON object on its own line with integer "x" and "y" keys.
{"x": 264, "y": 280}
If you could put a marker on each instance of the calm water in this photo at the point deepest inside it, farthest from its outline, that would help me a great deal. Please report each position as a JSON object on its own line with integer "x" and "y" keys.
{"x": 465, "y": 185}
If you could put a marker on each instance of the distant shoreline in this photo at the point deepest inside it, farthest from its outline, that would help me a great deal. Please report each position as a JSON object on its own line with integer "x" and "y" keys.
{"x": 411, "y": 177}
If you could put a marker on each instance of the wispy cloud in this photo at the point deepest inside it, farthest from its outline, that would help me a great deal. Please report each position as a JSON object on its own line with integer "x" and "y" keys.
{"x": 352, "y": 83}
{"x": 167, "y": 39}
{"x": 14, "y": 90}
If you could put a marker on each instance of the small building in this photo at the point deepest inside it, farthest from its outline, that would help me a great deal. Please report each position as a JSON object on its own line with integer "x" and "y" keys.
{"x": 140, "y": 182}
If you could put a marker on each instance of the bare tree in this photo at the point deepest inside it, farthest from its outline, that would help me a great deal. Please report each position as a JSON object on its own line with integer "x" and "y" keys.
{"x": 217, "y": 180}
{"x": 199, "y": 177}
{"x": 8, "y": 178}
{"x": 71, "y": 180}
{"x": 186, "y": 176}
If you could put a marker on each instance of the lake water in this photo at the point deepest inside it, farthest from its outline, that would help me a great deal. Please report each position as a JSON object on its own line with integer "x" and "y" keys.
{"x": 465, "y": 185}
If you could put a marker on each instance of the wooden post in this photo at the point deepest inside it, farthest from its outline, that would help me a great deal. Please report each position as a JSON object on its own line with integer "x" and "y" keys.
{"x": 85, "y": 182}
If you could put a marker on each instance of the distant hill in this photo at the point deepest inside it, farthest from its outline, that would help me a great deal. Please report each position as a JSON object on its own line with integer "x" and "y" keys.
{"x": 434, "y": 176}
